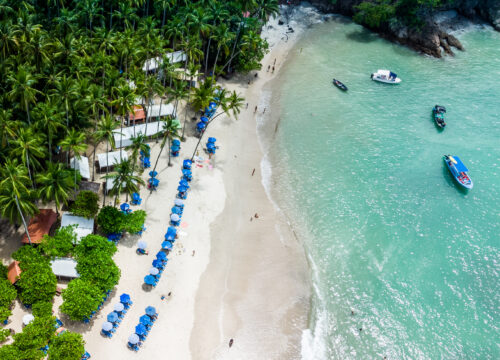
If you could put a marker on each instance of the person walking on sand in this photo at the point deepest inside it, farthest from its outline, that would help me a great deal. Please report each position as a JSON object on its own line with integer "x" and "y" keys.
{"x": 268, "y": 67}
{"x": 231, "y": 342}
{"x": 273, "y": 69}
{"x": 247, "y": 105}
{"x": 264, "y": 111}
{"x": 255, "y": 109}
{"x": 274, "y": 61}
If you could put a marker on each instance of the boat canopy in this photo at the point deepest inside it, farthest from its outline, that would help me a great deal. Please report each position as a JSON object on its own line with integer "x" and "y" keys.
{"x": 459, "y": 165}
{"x": 392, "y": 75}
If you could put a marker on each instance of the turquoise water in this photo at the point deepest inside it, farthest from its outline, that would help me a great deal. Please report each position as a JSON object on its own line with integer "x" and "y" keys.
{"x": 360, "y": 174}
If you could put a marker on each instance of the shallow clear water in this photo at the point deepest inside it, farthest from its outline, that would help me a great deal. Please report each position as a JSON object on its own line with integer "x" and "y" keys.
{"x": 360, "y": 174}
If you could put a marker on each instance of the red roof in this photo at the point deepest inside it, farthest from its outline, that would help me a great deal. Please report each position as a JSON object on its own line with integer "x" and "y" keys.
{"x": 13, "y": 272}
{"x": 40, "y": 225}
{"x": 138, "y": 113}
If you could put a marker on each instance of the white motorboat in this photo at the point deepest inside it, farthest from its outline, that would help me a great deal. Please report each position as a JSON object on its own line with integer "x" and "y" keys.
{"x": 386, "y": 76}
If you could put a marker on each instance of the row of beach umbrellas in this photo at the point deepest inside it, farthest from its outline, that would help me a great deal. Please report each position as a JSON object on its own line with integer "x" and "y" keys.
{"x": 142, "y": 329}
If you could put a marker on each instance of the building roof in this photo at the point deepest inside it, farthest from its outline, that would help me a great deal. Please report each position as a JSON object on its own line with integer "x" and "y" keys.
{"x": 65, "y": 267}
{"x": 113, "y": 158}
{"x": 84, "y": 226}
{"x": 173, "y": 57}
{"x": 40, "y": 225}
{"x": 82, "y": 165}
{"x": 123, "y": 137}
{"x": 157, "y": 110}
{"x": 13, "y": 272}
{"x": 138, "y": 113}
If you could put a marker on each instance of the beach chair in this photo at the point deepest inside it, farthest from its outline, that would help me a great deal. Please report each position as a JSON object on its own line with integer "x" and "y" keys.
{"x": 86, "y": 356}
{"x": 134, "y": 347}
{"x": 136, "y": 199}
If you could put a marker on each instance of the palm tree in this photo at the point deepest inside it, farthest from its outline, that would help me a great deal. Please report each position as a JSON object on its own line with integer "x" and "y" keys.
{"x": 48, "y": 120}
{"x": 22, "y": 84}
{"x": 124, "y": 180}
{"x": 170, "y": 129}
{"x": 177, "y": 93}
{"x": 105, "y": 131}
{"x": 224, "y": 38}
{"x": 74, "y": 142}
{"x": 229, "y": 103}
{"x": 66, "y": 91}
{"x": 192, "y": 70}
{"x": 8, "y": 127}
{"x": 124, "y": 103}
{"x": 55, "y": 184}
{"x": 138, "y": 144}
{"x": 15, "y": 197}
{"x": 153, "y": 86}
{"x": 202, "y": 95}
{"x": 28, "y": 146}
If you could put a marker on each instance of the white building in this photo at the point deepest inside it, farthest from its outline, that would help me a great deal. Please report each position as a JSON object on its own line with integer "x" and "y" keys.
{"x": 83, "y": 227}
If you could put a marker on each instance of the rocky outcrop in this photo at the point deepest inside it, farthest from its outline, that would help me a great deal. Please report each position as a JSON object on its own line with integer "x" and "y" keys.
{"x": 434, "y": 37}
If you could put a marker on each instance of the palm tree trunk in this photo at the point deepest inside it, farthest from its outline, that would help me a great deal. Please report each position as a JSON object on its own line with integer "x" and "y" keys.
{"x": 29, "y": 171}
{"x": 235, "y": 43}
{"x": 169, "y": 152}
{"x": 24, "y": 221}
{"x": 185, "y": 113}
{"x": 107, "y": 166}
{"x": 215, "y": 64}
{"x": 50, "y": 145}
{"x": 28, "y": 111}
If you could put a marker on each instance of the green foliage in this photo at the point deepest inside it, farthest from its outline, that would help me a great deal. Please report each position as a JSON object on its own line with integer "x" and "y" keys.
{"x": 135, "y": 221}
{"x": 374, "y": 14}
{"x": 34, "y": 336}
{"x": 9, "y": 352}
{"x": 92, "y": 244}
{"x": 37, "y": 281}
{"x": 61, "y": 244}
{"x": 4, "y": 334}
{"x": 7, "y": 295}
{"x": 110, "y": 220}
{"x": 67, "y": 346}
{"x": 98, "y": 268}
{"x": 3, "y": 271}
{"x": 86, "y": 204}
{"x": 42, "y": 309}
{"x": 80, "y": 299}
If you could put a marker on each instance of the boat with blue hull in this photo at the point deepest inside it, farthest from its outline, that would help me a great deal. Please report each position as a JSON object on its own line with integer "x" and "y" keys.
{"x": 459, "y": 171}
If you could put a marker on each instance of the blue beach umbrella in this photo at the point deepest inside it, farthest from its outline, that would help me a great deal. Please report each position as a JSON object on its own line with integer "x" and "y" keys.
{"x": 176, "y": 210}
{"x": 161, "y": 255}
{"x": 145, "y": 320}
{"x": 157, "y": 264}
{"x": 154, "y": 271}
{"x": 175, "y": 148}
{"x": 141, "y": 329}
{"x": 133, "y": 339}
{"x": 125, "y": 298}
{"x": 175, "y": 218}
{"x": 153, "y": 173}
{"x": 204, "y": 119}
{"x": 171, "y": 230}
{"x": 118, "y": 307}
{"x": 112, "y": 317}
{"x": 167, "y": 245}
{"x": 210, "y": 146}
{"x": 142, "y": 245}
{"x": 184, "y": 183}
{"x": 200, "y": 126}
{"x": 107, "y": 326}
{"x": 179, "y": 202}
{"x": 176, "y": 142}
{"x": 149, "y": 280}
{"x": 186, "y": 164}
{"x": 212, "y": 139}
{"x": 169, "y": 237}
{"x": 151, "y": 311}
{"x": 154, "y": 181}
{"x": 186, "y": 172}
{"x": 124, "y": 206}
{"x": 182, "y": 188}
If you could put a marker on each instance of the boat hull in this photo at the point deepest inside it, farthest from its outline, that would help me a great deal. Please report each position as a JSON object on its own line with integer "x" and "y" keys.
{"x": 339, "y": 85}
{"x": 466, "y": 185}
{"x": 386, "y": 81}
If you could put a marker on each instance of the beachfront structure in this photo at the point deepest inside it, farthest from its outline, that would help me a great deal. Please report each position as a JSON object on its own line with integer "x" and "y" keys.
{"x": 83, "y": 227}
{"x": 41, "y": 224}
{"x": 82, "y": 165}
{"x": 111, "y": 159}
{"x": 173, "y": 57}
{"x": 185, "y": 75}
{"x": 111, "y": 182}
{"x": 64, "y": 267}
{"x": 13, "y": 272}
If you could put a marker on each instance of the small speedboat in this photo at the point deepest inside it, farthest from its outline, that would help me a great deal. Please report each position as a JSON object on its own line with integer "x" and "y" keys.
{"x": 386, "y": 76}
{"x": 438, "y": 114}
{"x": 459, "y": 171}
{"x": 339, "y": 85}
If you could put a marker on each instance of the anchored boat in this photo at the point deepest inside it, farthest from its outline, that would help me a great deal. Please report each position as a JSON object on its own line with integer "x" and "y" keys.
{"x": 438, "y": 114}
{"x": 340, "y": 85}
{"x": 459, "y": 171}
{"x": 386, "y": 76}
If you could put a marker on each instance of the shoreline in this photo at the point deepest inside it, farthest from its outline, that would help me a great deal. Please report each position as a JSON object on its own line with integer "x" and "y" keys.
{"x": 265, "y": 313}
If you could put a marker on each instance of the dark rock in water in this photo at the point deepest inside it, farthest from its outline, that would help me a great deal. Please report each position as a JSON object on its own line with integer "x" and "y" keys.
{"x": 280, "y": 22}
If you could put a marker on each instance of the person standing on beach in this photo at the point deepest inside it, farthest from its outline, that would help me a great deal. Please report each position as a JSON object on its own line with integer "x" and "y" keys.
{"x": 268, "y": 67}
{"x": 247, "y": 105}
{"x": 274, "y": 61}
{"x": 264, "y": 111}
{"x": 231, "y": 342}
{"x": 255, "y": 109}
{"x": 273, "y": 69}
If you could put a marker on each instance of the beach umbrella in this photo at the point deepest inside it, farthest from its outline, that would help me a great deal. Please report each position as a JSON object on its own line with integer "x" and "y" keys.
{"x": 178, "y": 202}
{"x": 200, "y": 125}
{"x": 153, "y": 173}
{"x": 154, "y": 271}
{"x": 151, "y": 311}
{"x": 167, "y": 245}
{"x": 161, "y": 255}
{"x": 176, "y": 210}
{"x": 112, "y": 317}
{"x": 169, "y": 237}
{"x": 184, "y": 183}
{"x": 175, "y": 217}
{"x": 172, "y": 230}
{"x": 149, "y": 280}
{"x": 182, "y": 189}
{"x": 154, "y": 181}
{"x": 186, "y": 164}
{"x": 142, "y": 245}
{"x": 186, "y": 172}
{"x": 175, "y": 148}
{"x": 133, "y": 339}
{"x": 107, "y": 326}
{"x": 212, "y": 139}
{"x": 176, "y": 142}
{"x": 136, "y": 196}
{"x": 145, "y": 320}
{"x": 125, "y": 298}
{"x": 124, "y": 206}
{"x": 28, "y": 318}
{"x": 157, "y": 264}
{"x": 141, "y": 329}
{"x": 204, "y": 119}
{"x": 119, "y": 307}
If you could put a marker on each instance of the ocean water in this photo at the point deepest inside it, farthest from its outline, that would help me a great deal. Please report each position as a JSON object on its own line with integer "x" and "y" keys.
{"x": 360, "y": 176}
